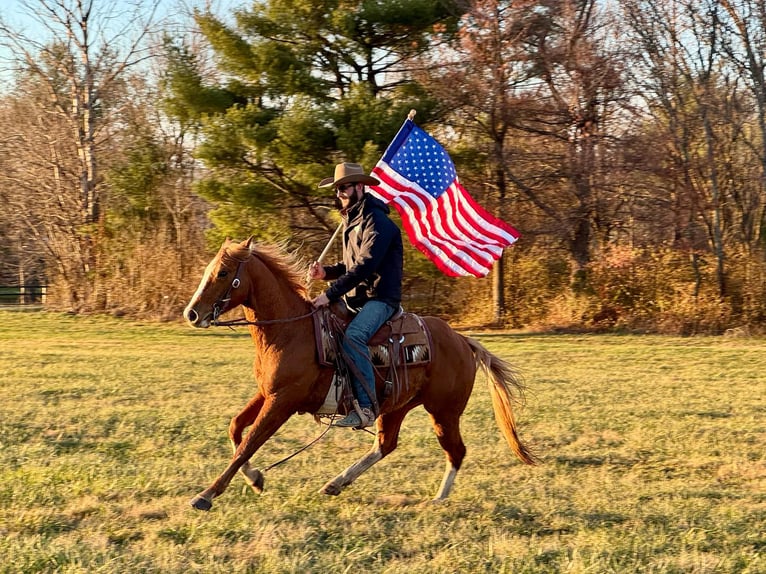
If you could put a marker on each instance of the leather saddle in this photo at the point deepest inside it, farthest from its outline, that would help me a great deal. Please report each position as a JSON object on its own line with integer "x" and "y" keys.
{"x": 403, "y": 341}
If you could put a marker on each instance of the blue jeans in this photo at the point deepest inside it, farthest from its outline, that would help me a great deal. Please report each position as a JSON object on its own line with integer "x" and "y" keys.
{"x": 370, "y": 318}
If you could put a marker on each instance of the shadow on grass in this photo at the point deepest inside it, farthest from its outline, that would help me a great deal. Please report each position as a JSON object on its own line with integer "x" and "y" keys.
{"x": 526, "y": 523}
{"x": 595, "y": 461}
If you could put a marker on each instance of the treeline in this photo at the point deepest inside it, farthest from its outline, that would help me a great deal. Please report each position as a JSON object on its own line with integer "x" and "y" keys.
{"x": 625, "y": 140}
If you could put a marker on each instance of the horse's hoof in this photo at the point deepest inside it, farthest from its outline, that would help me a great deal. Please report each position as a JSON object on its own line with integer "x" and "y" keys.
{"x": 201, "y": 503}
{"x": 331, "y": 489}
{"x": 255, "y": 479}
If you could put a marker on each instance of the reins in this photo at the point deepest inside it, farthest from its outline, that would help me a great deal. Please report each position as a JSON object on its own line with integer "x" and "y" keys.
{"x": 309, "y": 445}
{"x": 235, "y": 322}
{"x": 300, "y": 450}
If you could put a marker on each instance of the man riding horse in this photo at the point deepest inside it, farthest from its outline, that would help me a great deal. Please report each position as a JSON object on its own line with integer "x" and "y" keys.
{"x": 369, "y": 279}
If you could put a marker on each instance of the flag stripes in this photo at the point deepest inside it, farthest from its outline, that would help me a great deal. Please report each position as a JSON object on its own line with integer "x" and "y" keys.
{"x": 440, "y": 217}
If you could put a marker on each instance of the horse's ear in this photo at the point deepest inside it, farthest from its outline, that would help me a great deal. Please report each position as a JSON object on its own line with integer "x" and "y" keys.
{"x": 249, "y": 242}
{"x": 224, "y": 245}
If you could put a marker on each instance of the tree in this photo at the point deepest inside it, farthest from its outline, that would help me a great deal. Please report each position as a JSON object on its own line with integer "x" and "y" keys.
{"x": 302, "y": 85}
{"x": 73, "y": 80}
{"x": 154, "y": 223}
{"x": 745, "y": 46}
{"x": 532, "y": 85}
{"x": 571, "y": 115}
{"x": 22, "y": 251}
{"x": 475, "y": 82}
{"x": 699, "y": 102}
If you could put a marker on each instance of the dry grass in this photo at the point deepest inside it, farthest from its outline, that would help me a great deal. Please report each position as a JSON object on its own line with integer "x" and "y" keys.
{"x": 652, "y": 451}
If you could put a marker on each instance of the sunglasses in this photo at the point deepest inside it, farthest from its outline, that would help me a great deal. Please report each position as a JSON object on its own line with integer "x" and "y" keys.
{"x": 343, "y": 188}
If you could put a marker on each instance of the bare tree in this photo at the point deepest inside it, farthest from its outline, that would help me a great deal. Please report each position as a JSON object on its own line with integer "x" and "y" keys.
{"x": 699, "y": 101}
{"x": 475, "y": 83}
{"x": 536, "y": 84}
{"x": 72, "y": 69}
{"x": 582, "y": 77}
{"x": 745, "y": 46}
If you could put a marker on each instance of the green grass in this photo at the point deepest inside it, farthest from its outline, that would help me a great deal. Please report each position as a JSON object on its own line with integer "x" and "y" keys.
{"x": 652, "y": 453}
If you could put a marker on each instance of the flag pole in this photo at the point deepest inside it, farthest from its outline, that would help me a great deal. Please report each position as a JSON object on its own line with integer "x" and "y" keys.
{"x": 329, "y": 243}
{"x": 410, "y": 116}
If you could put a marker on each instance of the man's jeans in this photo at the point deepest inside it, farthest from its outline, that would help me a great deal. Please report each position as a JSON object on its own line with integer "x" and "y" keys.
{"x": 370, "y": 318}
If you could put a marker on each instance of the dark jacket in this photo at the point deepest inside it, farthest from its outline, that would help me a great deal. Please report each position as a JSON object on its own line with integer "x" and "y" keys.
{"x": 372, "y": 257}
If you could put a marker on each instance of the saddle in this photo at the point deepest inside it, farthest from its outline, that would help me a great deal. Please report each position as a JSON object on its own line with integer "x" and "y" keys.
{"x": 403, "y": 341}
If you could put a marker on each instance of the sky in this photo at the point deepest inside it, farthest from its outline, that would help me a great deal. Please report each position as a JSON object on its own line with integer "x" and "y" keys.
{"x": 118, "y": 18}
{"x": 17, "y": 12}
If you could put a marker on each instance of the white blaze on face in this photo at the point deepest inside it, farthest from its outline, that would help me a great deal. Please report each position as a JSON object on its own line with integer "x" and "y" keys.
{"x": 200, "y": 288}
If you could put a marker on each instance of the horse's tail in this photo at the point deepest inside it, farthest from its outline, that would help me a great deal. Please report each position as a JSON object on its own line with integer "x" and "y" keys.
{"x": 506, "y": 388}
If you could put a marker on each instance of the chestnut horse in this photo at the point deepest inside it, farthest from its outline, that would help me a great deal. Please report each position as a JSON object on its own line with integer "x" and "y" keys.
{"x": 270, "y": 285}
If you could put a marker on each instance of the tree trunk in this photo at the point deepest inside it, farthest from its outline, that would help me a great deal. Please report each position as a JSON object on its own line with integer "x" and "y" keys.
{"x": 716, "y": 231}
{"x": 498, "y": 278}
{"x": 498, "y": 291}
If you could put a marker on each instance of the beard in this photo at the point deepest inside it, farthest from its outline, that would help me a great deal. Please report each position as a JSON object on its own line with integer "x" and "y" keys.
{"x": 353, "y": 200}
{"x": 350, "y": 202}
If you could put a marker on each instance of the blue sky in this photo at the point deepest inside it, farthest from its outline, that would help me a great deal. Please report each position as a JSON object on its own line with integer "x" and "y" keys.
{"x": 118, "y": 18}
{"x": 15, "y": 12}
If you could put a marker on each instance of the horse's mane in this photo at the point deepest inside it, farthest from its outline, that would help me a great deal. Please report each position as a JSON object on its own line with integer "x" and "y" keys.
{"x": 281, "y": 262}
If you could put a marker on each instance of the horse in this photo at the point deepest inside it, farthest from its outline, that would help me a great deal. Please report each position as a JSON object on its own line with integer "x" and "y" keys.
{"x": 269, "y": 283}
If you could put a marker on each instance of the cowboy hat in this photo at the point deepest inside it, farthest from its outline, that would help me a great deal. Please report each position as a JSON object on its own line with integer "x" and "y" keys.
{"x": 348, "y": 173}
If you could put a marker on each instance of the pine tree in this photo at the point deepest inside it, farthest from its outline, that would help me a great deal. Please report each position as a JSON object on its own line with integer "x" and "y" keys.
{"x": 298, "y": 87}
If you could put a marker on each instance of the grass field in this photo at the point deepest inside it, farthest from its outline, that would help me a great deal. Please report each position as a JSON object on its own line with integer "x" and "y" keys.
{"x": 652, "y": 452}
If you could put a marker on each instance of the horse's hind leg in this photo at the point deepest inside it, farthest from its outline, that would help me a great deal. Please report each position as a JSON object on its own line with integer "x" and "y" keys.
{"x": 386, "y": 439}
{"x": 447, "y": 427}
{"x": 253, "y": 476}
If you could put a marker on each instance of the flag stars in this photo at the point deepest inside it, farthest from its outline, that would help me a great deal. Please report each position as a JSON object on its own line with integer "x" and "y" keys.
{"x": 422, "y": 159}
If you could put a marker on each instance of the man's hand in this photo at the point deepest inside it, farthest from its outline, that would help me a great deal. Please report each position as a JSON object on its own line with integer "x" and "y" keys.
{"x": 316, "y": 271}
{"x": 320, "y": 301}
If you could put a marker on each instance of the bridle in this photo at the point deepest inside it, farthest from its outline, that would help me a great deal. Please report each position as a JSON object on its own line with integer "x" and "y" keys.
{"x": 219, "y": 305}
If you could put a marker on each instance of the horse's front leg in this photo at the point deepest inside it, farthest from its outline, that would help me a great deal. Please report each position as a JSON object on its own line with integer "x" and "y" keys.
{"x": 270, "y": 417}
{"x": 253, "y": 476}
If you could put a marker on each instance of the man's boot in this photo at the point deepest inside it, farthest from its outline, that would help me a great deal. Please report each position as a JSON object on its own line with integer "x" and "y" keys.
{"x": 359, "y": 418}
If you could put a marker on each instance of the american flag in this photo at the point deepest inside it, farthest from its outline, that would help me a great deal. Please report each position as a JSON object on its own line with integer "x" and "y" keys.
{"x": 441, "y": 219}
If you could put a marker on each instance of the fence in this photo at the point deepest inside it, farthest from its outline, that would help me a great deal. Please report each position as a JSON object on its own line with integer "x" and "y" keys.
{"x": 23, "y": 294}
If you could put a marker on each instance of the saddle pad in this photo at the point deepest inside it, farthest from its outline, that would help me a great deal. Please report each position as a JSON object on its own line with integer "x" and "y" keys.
{"x": 406, "y": 332}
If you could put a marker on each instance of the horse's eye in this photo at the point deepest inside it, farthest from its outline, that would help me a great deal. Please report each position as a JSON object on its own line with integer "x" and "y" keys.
{"x": 222, "y": 273}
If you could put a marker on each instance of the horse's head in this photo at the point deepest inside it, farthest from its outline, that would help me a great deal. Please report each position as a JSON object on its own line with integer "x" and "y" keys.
{"x": 221, "y": 287}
